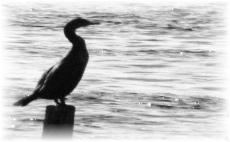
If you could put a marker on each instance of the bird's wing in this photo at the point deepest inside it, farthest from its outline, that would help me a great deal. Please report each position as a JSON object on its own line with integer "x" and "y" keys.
{"x": 44, "y": 76}
{"x": 53, "y": 76}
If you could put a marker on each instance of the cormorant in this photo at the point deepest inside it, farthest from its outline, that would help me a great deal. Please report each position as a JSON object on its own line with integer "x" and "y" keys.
{"x": 61, "y": 79}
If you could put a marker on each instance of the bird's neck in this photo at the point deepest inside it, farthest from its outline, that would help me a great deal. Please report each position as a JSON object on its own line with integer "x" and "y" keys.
{"x": 75, "y": 39}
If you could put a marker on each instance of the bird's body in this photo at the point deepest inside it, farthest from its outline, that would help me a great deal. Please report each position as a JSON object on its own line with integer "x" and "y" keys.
{"x": 61, "y": 79}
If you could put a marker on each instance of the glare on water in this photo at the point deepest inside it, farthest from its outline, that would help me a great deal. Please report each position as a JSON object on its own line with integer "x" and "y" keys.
{"x": 154, "y": 70}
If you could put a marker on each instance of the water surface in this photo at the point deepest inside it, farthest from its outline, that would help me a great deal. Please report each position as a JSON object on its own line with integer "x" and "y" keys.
{"x": 155, "y": 70}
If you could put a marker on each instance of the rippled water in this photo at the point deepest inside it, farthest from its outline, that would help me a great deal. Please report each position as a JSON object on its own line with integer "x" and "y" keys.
{"x": 155, "y": 70}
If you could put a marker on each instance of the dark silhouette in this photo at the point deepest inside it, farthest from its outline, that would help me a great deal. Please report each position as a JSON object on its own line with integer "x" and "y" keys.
{"x": 61, "y": 79}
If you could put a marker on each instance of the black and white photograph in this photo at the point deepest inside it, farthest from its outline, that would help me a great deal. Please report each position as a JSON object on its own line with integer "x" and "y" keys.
{"x": 114, "y": 70}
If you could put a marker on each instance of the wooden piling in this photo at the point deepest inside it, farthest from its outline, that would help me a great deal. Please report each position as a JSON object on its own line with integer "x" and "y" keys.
{"x": 59, "y": 122}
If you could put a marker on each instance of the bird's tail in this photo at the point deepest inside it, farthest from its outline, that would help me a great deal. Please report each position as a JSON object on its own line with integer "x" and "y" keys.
{"x": 26, "y": 100}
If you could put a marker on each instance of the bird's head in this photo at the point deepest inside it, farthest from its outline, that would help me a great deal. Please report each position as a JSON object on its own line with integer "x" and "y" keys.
{"x": 80, "y": 22}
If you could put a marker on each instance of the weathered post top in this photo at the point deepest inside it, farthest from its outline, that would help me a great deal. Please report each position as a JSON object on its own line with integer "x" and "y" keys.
{"x": 59, "y": 122}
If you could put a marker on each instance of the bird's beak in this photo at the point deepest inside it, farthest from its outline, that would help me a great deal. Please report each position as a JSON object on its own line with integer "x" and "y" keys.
{"x": 94, "y": 23}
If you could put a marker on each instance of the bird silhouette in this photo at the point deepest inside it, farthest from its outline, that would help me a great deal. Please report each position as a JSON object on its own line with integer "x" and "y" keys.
{"x": 61, "y": 79}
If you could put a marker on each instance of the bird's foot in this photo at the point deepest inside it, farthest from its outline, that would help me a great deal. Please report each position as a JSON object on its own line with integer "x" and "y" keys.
{"x": 61, "y": 103}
